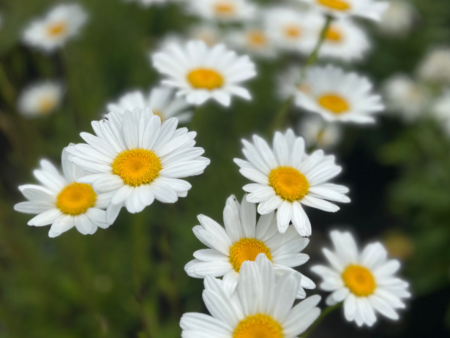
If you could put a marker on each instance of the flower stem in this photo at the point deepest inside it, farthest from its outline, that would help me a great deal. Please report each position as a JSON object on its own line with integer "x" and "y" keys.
{"x": 325, "y": 313}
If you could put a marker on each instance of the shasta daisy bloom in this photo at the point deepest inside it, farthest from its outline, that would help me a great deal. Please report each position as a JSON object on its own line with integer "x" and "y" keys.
{"x": 290, "y": 81}
{"x": 441, "y": 111}
{"x": 435, "y": 66}
{"x": 148, "y": 3}
{"x": 200, "y": 73}
{"x": 40, "y": 98}
{"x": 243, "y": 239}
{"x": 62, "y": 202}
{"x": 138, "y": 159}
{"x": 160, "y": 100}
{"x": 223, "y": 10}
{"x": 339, "y": 96}
{"x": 262, "y": 306}
{"x": 253, "y": 40}
{"x": 206, "y": 32}
{"x": 318, "y": 133}
{"x": 398, "y": 19}
{"x": 286, "y": 178}
{"x": 365, "y": 281}
{"x": 59, "y": 25}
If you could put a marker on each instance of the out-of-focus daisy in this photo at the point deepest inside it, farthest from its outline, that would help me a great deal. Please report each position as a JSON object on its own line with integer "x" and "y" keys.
{"x": 441, "y": 111}
{"x": 435, "y": 67}
{"x": 364, "y": 281}
{"x": 290, "y": 81}
{"x": 262, "y": 306}
{"x": 286, "y": 178}
{"x": 160, "y": 100}
{"x": 338, "y": 96}
{"x": 206, "y": 32}
{"x": 407, "y": 98}
{"x": 243, "y": 239}
{"x": 59, "y": 25}
{"x": 148, "y": 3}
{"x": 318, "y": 133}
{"x": 200, "y": 73}
{"x": 254, "y": 41}
{"x": 398, "y": 19}
{"x": 40, "y": 98}
{"x": 62, "y": 202}
{"x": 369, "y": 9}
{"x": 223, "y": 10}
{"x": 138, "y": 159}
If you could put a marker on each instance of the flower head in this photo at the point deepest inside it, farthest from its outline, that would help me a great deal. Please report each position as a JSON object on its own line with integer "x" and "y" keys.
{"x": 253, "y": 40}
{"x": 223, "y": 10}
{"x": 318, "y": 133}
{"x": 435, "y": 66}
{"x": 40, "y": 98}
{"x": 148, "y": 3}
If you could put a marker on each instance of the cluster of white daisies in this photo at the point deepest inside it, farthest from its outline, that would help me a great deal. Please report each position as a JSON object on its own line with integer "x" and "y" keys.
{"x": 138, "y": 154}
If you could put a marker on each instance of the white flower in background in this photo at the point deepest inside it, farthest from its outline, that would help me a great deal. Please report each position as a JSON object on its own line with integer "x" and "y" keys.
{"x": 148, "y": 3}
{"x": 262, "y": 306}
{"x": 62, "y": 202}
{"x": 160, "y": 100}
{"x": 441, "y": 111}
{"x": 318, "y": 133}
{"x": 435, "y": 67}
{"x": 369, "y": 9}
{"x": 364, "y": 281}
{"x": 40, "y": 99}
{"x": 243, "y": 239}
{"x": 223, "y": 10}
{"x": 289, "y": 82}
{"x": 286, "y": 178}
{"x": 253, "y": 40}
{"x": 138, "y": 159}
{"x": 398, "y": 19}
{"x": 206, "y": 32}
{"x": 200, "y": 73}
{"x": 338, "y": 96}
{"x": 62, "y": 23}
{"x": 407, "y": 98}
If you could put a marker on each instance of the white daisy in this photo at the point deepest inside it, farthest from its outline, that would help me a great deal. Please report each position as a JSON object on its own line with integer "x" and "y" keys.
{"x": 200, "y": 73}
{"x": 206, "y": 32}
{"x": 441, "y": 111}
{"x": 364, "y": 281}
{"x": 243, "y": 239}
{"x": 286, "y": 177}
{"x": 262, "y": 306}
{"x": 148, "y": 3}
{"x": 59, "y": 25}
{"x": 338, "y": 96}
{"x": 398, "y": 19}
{"x": 435, "y": 67}
{"x": 160, "y": 100}
{"x": 318, "y": 133}
{"x": 223, "y": 10}
{"x": 138, "y": 159}
{"x": 290, "y": 81}
{"x": 369, "y": 9}
{"x": 62, "y": 202}
{"x": 253, "y": 40}
{"x": 40, "y": 98}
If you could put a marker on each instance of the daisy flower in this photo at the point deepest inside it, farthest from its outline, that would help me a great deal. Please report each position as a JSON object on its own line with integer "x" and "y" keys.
{"x": 369, "y": 9}
{"x": 200, "y": 73}
{"x": 62, "y": 202}
{"x": 286, "y": 178}
{"x": 435, "y": 67}
{"x": 365, "y": 281}
{"x": 59, "y": 25}
{"x": 223, "y": 10}
{"x": 206, "y": 32}
{"x": 243, "y": 239}
{"x": 339, "y": 96}
{"x": 40, "y": 98}
{"x": 441, "y": 111}
{"x": 318, "y": 133}
{"x": 398, "y": 19}
{"x": 262, "y": 306}
{"x": 138, "y": 159}
{"x": 289, "y": 82}
{"x": 160, "y": 100}
{"x": 254, "y": 41}
{"x": 148, "y": 3}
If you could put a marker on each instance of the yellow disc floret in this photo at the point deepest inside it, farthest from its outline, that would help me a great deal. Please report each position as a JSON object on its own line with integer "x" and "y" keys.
{"x": 256, "y": 39}
{"x": 359, "y": 280}
{"x": 45, "y": 104}
{"x": 289, "y": 183}
{"x": 224, "y": 8}
{"x": 137, "y": 166}
{"x": 334, "y": 103}
{"x": 334, "y": 34}
{"x": 258, "y": 326}
{"x": 338, "y": 5}
{"x": 292, "y": 31}
{"x": 205, "y": 78}
{"x": 247, "y": 249}
{"x": 57, "y": 29}
{"x": 76, "y": 199}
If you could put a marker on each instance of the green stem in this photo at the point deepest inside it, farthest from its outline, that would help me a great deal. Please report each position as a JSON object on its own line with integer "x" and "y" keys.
{"x": 9, "y": 93}
{"x": 325, "y": 313}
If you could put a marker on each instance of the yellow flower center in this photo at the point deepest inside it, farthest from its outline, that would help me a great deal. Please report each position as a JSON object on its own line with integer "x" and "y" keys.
{"x": 76, "y": 199}
{"x": 57, "y": 29}
{"x": 338, "y": 5}
{"x": 334, "y": 103}
{"x": 247, "y": 249}
{"x": 334, "y": 34}
{"x": 292, "y": 31}
{"x": 137, "y": 166}
{"x": 45, "y": 105}
{"x": 258, "y": 326}
{"x": 256, "y": 39}
{"x": 289, "y": 183}
{"x": 224, "y": 8}
{"x": 204, "y": 78}
{"x": 159, "y": 114}
{"x": 359, "y": 280}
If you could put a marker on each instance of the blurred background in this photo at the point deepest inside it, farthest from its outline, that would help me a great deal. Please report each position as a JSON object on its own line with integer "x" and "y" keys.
{"x": 129, "y": 280}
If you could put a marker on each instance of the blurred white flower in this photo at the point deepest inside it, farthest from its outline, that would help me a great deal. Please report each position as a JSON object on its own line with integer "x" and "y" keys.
{"x": 223, "y": 10}
{"x": 200, "y": 73}
{"x": 406, "y": 97}
{"x": 138, "y": 159}
{"x": 148, "y": 3}
{"x": 339, "y": 96}
{"x": 253, "y": 40}
{"x": 286, "y": 178}
{"x": 160, "y": 100}
{"x": 398, "y": 19}
{"x": 59, "y": 25}
{"x": 319, "y": 133}
{"x": 435, "y": 67}
{"x": 62, "y": 202}
{"x": 262, "y": 306}
{"x": 40, "y": 99}
{"x": 206, "y": 32}
{"x": 243, "y": 239}
{"x": 290, "y": 81}
{"x": 364, "y": 281}
{"x": 441, "y": 111}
